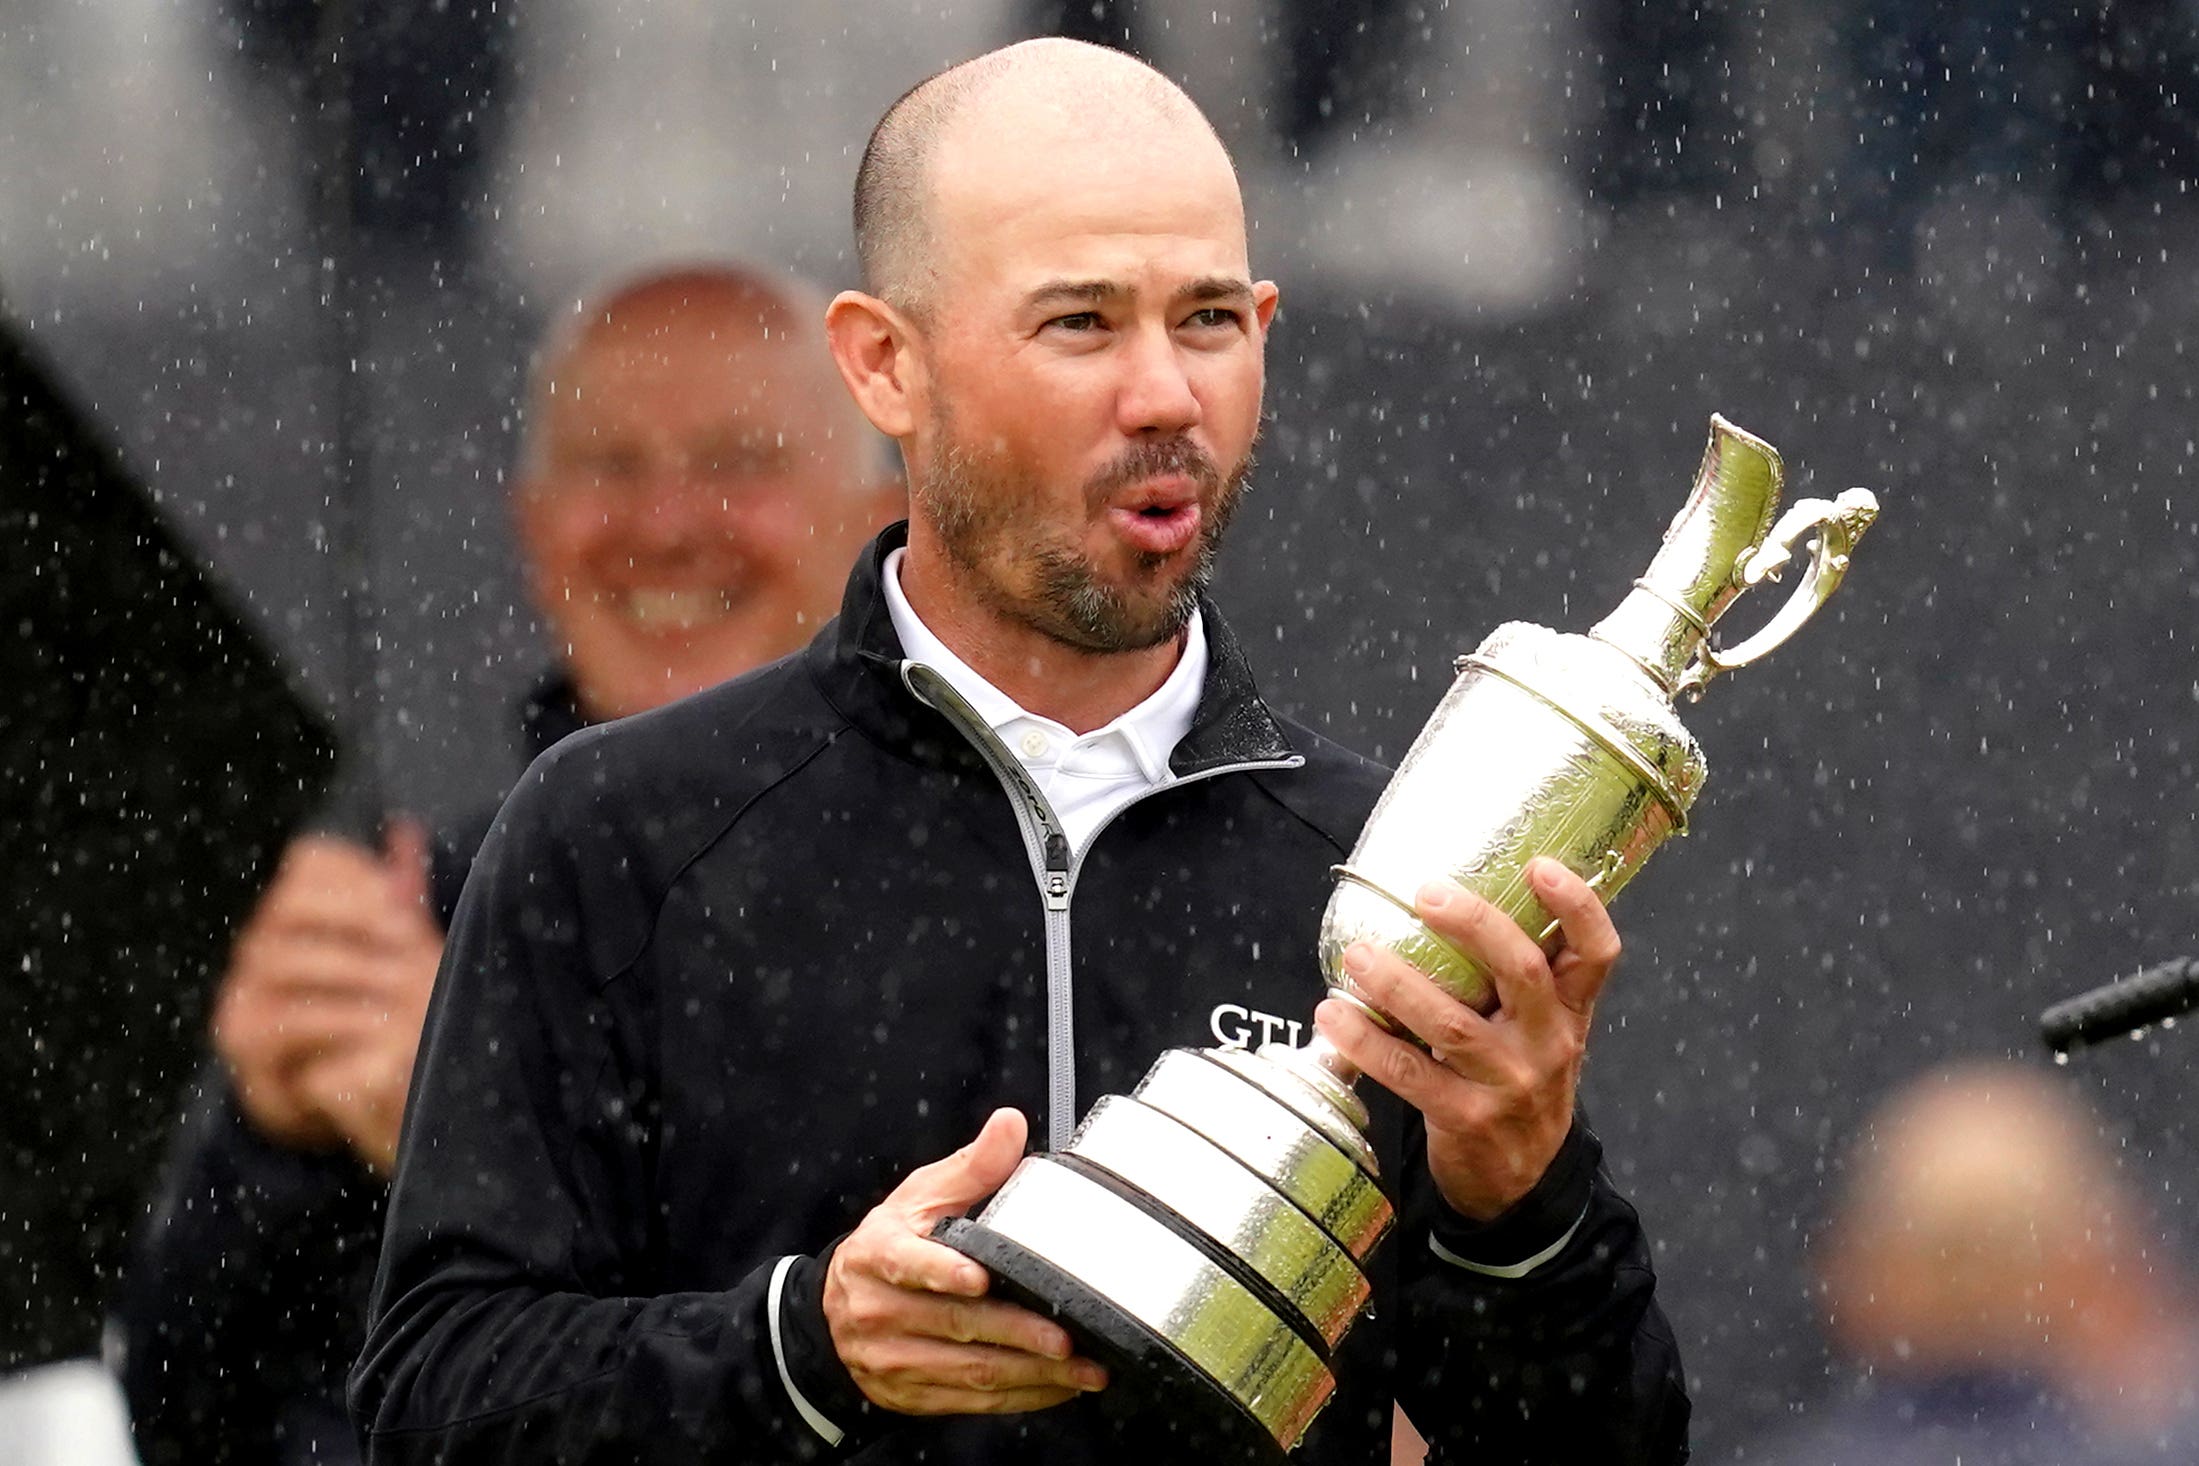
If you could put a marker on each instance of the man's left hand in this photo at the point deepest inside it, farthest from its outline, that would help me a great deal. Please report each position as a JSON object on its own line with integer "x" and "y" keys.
{"x": 1497, "y": 1091}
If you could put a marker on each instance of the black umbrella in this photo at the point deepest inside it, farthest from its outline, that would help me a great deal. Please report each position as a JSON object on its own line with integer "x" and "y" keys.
{"x": 152, "y": 761}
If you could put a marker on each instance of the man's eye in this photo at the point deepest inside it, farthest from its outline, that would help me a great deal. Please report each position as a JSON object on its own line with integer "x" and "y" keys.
{"x": 610, "y": 465}
{"x": 1081, "y": 321}
{"x": 1211, "y": 317}
{"x": 749, "y": 460}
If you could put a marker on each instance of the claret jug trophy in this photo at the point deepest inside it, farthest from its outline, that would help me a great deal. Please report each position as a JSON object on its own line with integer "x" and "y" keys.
{"x": 1204, "y": 1234}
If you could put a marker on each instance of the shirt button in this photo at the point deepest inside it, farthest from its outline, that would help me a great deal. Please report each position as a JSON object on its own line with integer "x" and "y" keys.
{"x": 1034, "y": 744}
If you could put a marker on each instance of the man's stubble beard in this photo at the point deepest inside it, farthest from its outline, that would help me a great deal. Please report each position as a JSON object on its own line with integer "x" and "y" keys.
{"x": 975, "y": 508}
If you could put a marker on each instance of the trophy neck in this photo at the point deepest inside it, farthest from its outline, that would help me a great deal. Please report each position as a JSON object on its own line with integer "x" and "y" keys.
{"x": 1654, "y": 634}
{"x": 1668, "y": 615}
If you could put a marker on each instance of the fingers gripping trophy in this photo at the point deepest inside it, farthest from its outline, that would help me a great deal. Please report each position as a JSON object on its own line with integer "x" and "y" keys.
{"x": 1208, "y": 1229}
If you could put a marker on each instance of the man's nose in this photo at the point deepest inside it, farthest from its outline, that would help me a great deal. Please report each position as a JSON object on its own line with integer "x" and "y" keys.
{"x": 676, "y": 505}
{"x": 1156, "y": 394}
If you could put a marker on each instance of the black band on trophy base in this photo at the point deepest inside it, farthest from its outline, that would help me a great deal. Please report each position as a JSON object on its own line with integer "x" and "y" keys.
{"x": 1150, "y": 1382}
{"x": 1142, "y": 1284}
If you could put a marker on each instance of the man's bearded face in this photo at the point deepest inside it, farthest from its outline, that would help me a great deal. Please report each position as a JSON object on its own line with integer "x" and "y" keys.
{"x": 1019, "y": 544}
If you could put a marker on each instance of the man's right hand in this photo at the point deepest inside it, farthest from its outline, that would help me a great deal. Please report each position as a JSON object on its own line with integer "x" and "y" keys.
{"x": 909, "y": 1316}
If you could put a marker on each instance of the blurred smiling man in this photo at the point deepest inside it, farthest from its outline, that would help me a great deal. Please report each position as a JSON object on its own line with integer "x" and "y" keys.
{"x": 692, "y": 488}
{"x": 685, "y": 504}
{"x": 748, "y": 993}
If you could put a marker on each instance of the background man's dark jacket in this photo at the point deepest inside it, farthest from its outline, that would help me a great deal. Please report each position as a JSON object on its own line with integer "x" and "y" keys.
{"x": 244, "y": 1301}
{"x": 726, "y": 972}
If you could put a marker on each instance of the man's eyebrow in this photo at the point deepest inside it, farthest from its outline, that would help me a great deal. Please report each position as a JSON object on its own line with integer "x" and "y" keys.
{"x": 1217, "y": 287}
{"x": 1074, "y": 292}
{"x": 1203, "y": 291}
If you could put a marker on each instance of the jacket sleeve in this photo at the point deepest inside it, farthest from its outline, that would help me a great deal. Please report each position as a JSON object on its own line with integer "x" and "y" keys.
{"x": 1536, "y": 1337}
{"x": 244, "y": 1296}
{"x": 517, "y": 1315}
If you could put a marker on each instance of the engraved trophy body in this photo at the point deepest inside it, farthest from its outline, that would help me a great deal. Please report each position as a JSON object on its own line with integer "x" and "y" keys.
{"x": 1204, "y": 1235}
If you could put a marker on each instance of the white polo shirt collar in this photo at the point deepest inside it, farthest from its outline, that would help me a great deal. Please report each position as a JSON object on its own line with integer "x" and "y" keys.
{"x": 1087, "y": 776}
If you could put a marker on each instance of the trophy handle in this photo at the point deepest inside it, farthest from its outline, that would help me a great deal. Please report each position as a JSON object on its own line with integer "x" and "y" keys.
{"x": 1839, "y": 524}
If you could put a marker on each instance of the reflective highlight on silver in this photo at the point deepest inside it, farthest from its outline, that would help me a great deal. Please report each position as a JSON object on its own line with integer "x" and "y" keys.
{"x": 1567, "y": 746}
{"x": 1206, "y": 1187}
{"x": 1275, "y": 1143}
{"x": 1547, "y": 744}
{"x": 1169, "y": 1286}
{"x": 1577, "y": 787}
{"x": 1309, "y": 1091}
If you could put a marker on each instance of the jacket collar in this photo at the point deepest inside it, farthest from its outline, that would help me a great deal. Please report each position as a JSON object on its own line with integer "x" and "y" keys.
{"x": 549, "y": 713}
{"x": 857, "y": 661}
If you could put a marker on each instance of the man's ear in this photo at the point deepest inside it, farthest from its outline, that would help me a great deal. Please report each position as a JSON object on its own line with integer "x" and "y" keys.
{"x": 1265, "y": 297}
{"x": 872, "y": 345}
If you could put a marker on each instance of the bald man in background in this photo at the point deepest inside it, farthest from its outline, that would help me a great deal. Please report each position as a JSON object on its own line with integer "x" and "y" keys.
{"x": 691, "y": 489}
{"x": 1993, "y": 1274}
{"x": 750, "y": 992}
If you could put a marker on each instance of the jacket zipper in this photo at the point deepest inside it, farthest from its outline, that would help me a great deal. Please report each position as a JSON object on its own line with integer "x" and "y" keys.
{"x": 1056, "y": 867}
{"x": 1057, "y": 871}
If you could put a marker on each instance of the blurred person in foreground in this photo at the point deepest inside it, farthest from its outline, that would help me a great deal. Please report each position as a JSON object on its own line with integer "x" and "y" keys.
{"x": 692, "y": 487}
{"x": 746, "y": 994}
{"x": 1992, "y": 1272}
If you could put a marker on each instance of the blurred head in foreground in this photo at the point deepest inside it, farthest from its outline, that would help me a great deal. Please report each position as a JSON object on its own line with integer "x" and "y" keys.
{"x": 693, "y": 484}
{"x": 1989, "y": 1231}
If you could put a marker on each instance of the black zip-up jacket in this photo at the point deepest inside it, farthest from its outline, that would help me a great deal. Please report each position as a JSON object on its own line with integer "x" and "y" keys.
{"x": 726, "y": 972}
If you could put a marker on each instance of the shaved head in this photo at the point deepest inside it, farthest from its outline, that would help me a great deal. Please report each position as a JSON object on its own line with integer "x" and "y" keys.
{"x": 1041, "y": 94}
{"x": 655, "y": 313}
{"x": 1061, "y": 330}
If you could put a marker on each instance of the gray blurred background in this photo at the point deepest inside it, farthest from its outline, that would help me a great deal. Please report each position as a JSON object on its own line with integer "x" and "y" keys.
{"x": 1946, "y": 251}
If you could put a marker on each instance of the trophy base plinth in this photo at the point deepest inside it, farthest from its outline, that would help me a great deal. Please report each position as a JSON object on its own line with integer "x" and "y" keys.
{"x": 1149, "y": 1380}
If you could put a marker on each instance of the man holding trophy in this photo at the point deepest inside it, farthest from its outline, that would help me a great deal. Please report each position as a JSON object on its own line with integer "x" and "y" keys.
{"x": 731, "y": 977}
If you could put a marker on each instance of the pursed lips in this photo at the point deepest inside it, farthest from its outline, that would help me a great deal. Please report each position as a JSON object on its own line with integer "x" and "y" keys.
{"x": 1159, "y": 516}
